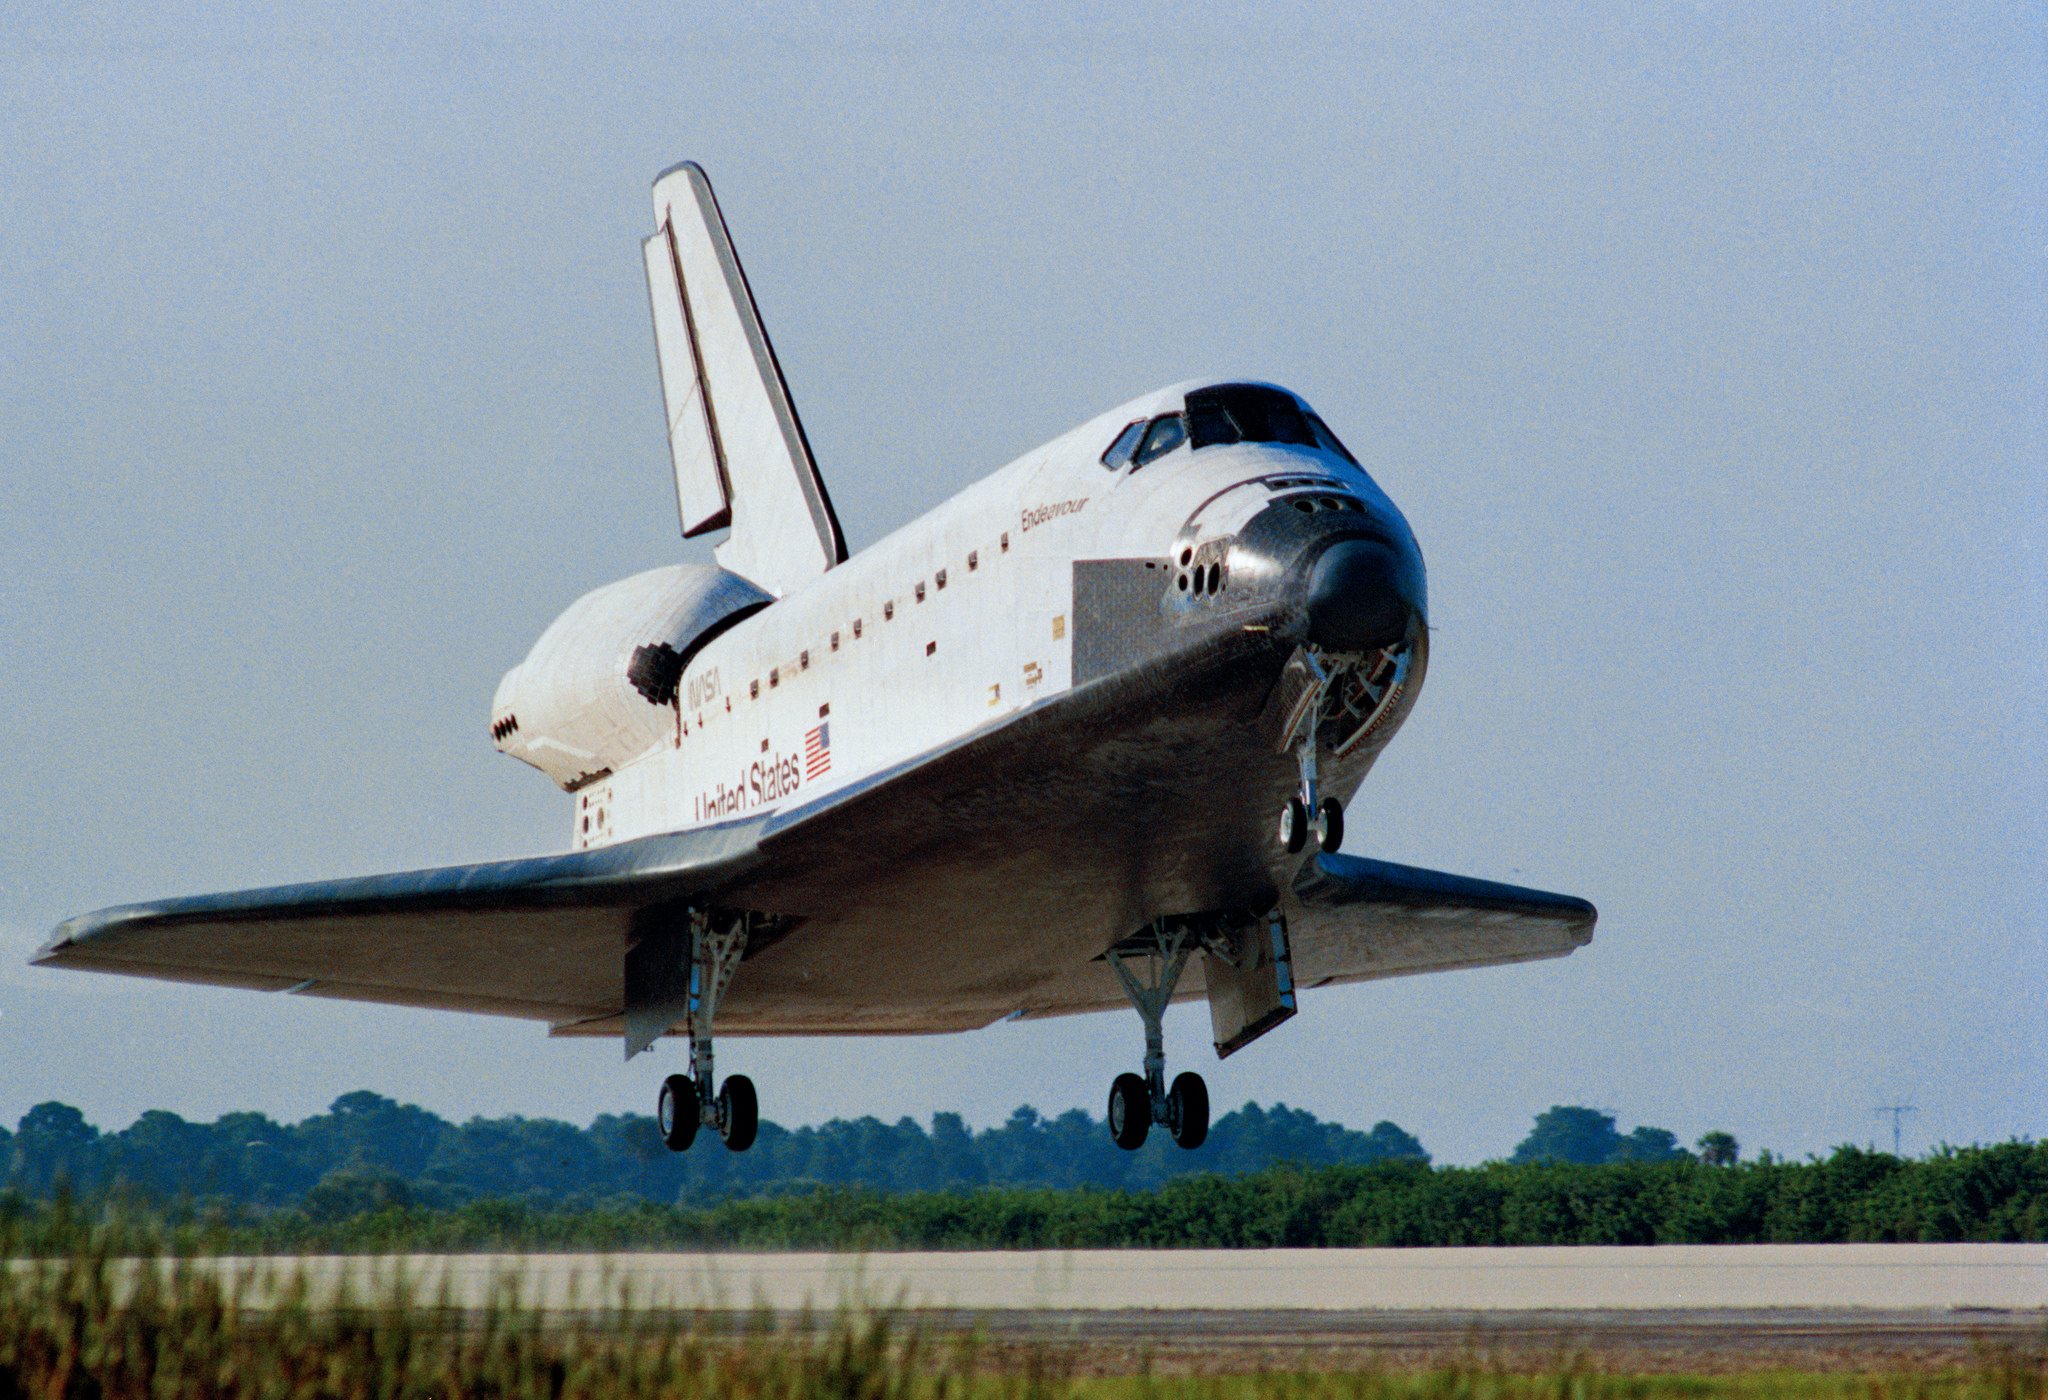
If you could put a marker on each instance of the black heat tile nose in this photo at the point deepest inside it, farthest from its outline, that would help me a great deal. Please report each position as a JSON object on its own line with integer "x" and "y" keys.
{"x": 1361, "y": 594}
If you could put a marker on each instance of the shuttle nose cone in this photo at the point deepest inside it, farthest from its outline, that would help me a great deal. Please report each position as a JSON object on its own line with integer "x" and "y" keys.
{"x": 1361, "y": 594}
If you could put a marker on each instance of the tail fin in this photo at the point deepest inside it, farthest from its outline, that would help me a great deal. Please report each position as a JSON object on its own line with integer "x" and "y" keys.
{"x": 740, "y": 455}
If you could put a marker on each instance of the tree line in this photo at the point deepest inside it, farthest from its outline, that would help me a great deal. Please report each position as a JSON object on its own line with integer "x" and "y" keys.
{"x": 1997, "y": 1193}
{"x": 367, "y": 1151}
{"x": 373, "y": 1174}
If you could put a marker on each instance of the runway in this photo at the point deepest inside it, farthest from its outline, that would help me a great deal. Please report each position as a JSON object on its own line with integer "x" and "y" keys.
{"x": 1896, "y": 1278}
{"x": 1108, "y": 1313}
{"x": 1673, "y": 1308}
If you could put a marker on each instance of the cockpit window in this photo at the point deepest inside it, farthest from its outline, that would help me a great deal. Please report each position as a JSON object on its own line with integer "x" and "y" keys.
{"x": 1222, "y": 415}
{"x": 1327, "y": 440}
{"x": 1125, "y": 444}
{"x": 1246, "y": 413}
{"x": 1162, "y": 437}
{"x": 1211, "y": 426}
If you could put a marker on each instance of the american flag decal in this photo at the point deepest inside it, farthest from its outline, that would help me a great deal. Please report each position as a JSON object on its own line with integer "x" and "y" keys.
{"x": 817, "y": 753}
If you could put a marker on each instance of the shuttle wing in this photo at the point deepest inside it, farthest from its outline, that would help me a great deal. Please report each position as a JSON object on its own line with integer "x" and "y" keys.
{"x": 740, "y": 456}
{"x": 542, "y": 938}
{"x": 1354, "y": 920}
{"x": 545, "y": 938}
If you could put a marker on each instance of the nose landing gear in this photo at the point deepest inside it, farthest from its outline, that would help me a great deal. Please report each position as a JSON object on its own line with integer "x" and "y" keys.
{"x": 1149, "y": 964}
{"x": 1308, "y": 813}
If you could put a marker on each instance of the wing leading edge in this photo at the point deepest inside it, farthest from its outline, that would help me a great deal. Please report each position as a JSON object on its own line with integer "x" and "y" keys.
{"x": 541, "y": 938}
{"x": 1354, "y": 920}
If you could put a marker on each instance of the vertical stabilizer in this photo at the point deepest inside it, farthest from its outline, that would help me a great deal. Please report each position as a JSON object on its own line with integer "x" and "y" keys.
{"x": 739, "y": 452}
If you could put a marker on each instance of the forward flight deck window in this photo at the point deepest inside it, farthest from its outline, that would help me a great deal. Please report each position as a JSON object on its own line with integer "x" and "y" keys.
{"x": 1220, "y": 416}
{"x": 1126, "y": 443}
{"x": 1246, "y": 413}
{"x": 1162, "y": 437}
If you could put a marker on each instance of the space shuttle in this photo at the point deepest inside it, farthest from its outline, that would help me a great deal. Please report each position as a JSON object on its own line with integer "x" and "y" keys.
{"x": 1081, "y": 738}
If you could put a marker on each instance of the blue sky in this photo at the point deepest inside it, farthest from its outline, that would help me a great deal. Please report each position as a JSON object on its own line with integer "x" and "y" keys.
{"x": 1702, "y": 345}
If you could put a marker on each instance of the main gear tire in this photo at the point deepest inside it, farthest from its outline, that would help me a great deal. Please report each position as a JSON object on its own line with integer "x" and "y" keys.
{"x": 1188, "y": 1109}
{"x": 739, "y": 1113}
{"x": 1130, "y": 1112}
{"x": 676, "y": 1112}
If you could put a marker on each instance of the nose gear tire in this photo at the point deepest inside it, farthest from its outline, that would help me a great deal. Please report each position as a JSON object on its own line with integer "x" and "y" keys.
{"x": 1294, "y": 826}
{"x": 739, "y": 1113}
{"x": 1188, "y": 1109}
{"x": 676, "y": 1112}
{"x": 1329, "y": 825}
{"x": 1130, "y": 1112}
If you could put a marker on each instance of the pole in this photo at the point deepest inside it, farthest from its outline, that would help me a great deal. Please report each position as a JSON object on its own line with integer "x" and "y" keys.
{"x": 1898, "y": 1111}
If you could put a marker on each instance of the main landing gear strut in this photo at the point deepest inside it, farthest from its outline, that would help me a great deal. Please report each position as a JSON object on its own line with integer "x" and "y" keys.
{"x": 687, "y": 1102}
{"x": 1149, "y": 964}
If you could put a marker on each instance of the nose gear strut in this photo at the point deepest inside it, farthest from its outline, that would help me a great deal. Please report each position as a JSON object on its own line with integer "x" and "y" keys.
{"x": 1308, "y": 810}
{"x": 1341, "y": 699}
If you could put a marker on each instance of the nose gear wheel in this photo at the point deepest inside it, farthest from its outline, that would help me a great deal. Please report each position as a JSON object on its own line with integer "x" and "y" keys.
{"x": 1294, "y": 826}
{"x": 1329, "y": 824}
{"x": 1345, "y": 697}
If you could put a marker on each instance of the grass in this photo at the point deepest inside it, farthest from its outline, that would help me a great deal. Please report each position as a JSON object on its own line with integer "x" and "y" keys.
{"x": 86, "y": 1324}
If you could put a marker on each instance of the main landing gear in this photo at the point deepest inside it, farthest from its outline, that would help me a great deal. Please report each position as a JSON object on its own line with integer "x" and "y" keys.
{"x": 735, "y": 1112}
{"x": 1149, "y": 964}
{"x": 687, "y": 1101}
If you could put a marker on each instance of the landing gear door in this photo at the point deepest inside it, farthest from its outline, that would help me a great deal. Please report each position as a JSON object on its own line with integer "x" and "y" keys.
{"x": 1250, "y": 973}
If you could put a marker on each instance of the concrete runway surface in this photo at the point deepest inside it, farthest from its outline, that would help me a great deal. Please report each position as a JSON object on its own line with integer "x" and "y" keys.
{"x": 1898, "y": 1278}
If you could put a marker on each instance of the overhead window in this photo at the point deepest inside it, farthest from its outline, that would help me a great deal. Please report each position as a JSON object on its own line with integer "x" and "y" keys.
{"x": 1246, "y": 413}
{"x": 1162, "y": 437}
{"x": 1126, "y": 443}
{"x": 1327, "y": 440}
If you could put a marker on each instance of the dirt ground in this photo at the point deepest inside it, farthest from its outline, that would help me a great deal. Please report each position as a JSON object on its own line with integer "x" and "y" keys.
{"x": 1700, "y": 1342}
